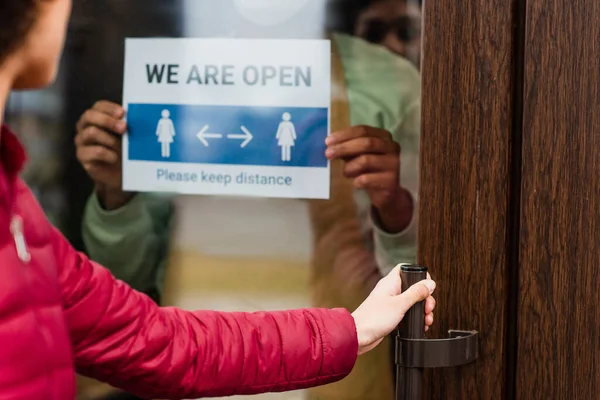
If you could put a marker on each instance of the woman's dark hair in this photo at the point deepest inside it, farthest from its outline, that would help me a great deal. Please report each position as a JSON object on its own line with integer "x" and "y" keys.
{"x": 16, "y": 18}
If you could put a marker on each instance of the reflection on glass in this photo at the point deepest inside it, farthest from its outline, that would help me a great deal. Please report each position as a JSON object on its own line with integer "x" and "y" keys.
{"x": 238, "y": 253}
{"x": 395, "y": 24}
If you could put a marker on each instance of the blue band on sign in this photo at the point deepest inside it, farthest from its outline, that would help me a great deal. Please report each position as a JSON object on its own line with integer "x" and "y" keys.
{"x": 262, "y": 136}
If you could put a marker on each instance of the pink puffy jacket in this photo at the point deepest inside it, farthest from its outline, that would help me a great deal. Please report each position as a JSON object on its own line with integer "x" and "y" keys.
{"x": 61, "y": 313}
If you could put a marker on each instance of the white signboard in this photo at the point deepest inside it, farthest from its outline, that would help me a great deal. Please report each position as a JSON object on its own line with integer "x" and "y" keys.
{"x": 227, "y": 117}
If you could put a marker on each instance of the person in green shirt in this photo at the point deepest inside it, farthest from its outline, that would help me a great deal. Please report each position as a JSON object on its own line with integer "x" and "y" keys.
{"x": 129, "y": 232}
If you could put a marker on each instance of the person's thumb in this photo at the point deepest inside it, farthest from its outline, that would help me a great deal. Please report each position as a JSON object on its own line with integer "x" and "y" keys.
{"x": 416, "y": 293}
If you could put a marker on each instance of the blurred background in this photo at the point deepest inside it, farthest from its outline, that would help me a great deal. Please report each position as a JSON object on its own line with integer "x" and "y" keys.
{"x": 241, "y": 254}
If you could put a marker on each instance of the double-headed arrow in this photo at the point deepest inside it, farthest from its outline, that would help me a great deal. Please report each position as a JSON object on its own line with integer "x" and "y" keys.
{"x": 246, "y": 136}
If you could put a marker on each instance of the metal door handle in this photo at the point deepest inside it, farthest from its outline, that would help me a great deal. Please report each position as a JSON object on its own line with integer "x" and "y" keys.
{"x": 414, "y": 352}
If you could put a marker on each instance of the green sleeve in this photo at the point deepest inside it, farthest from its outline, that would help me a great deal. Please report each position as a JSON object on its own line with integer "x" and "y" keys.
{"x": 384, "y": 91}
{"x": 132, "y": 241}
{"x": 392, "y": 249}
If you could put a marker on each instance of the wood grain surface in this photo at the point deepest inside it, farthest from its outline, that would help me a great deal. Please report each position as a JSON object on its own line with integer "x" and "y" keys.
{"x": 559, "y": 301}
{"x": 465, "y": 179}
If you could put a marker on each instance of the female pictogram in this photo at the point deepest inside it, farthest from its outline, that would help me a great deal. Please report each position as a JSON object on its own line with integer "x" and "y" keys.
{"x": 165, "y": 130}
{"x": 286, "y": 137}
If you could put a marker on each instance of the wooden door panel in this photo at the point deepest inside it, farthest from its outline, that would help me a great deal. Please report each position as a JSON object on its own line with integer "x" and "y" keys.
{"x": 467, "y": 123}
{"x": 559, "y": 301}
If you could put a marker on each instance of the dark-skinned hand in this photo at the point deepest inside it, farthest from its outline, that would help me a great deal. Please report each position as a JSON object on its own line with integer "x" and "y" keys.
{"x": 372, "y": 161}
{"x": 98, "y": 143}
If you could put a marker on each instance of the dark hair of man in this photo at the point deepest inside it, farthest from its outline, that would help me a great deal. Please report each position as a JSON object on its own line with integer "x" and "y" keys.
{"x": 342, "y": 14}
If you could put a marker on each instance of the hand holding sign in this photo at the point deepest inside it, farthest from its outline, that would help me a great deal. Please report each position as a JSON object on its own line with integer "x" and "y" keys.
{"x": 372, "y": 160}
{"x": 98, "y": 142}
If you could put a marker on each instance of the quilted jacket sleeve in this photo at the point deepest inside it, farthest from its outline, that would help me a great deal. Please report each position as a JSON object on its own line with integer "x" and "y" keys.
{"x": 121, "y": 337}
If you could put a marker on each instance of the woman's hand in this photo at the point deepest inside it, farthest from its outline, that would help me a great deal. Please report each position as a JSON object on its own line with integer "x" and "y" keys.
{"x": 385, "y": 307}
